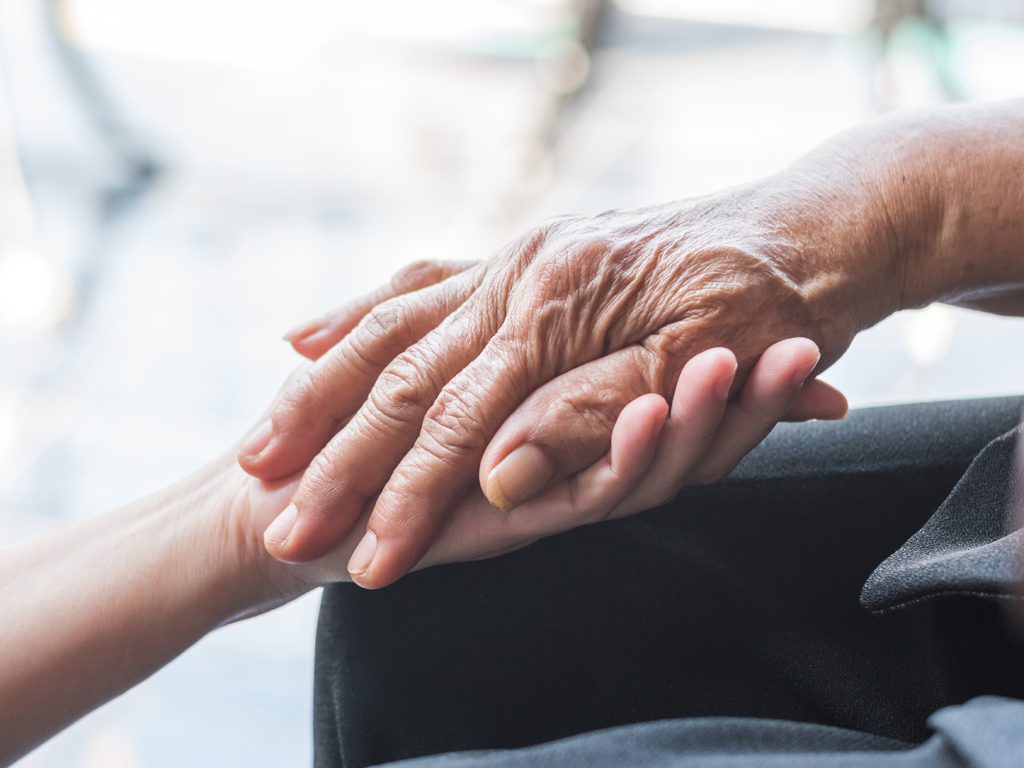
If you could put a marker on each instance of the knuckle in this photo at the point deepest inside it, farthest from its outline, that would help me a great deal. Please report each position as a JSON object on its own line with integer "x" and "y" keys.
{"x": 592, "y": 409}
{"x": 385, "y": 326}
{"x": 578, "y": 432}
{"x": 402, "y": 391}
{"x": 453, "y": 426}
{"x": 593, "y": 419}
{"x": 389, "y": 318}
{"x": 322, "y": 480}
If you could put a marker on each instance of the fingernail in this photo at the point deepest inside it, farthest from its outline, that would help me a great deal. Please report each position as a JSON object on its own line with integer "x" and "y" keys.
{"x": 310, "y": 338}
{"x": 518, "y": 477}
{"x": 801, "y": 375}
{"x": 277, "y": 532}
{"x": 301, "y": 331}
{"x": 724, "y": 384}
{"x": 363, "y": 554}
{"x": 258, "y": 439}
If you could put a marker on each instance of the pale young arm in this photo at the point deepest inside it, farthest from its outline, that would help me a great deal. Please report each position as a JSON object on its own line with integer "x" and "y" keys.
{"x": 90, "y": 610}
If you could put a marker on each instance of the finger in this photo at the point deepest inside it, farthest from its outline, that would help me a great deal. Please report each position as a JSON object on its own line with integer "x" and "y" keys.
{"x": 769, "y": 393}
{"x": 360, "y": 459}
{"x": 635, "y": 476}
{"x": 598, "y": 490}
{"x": 314, "y": 337}
{"x": 331, "y": 566}
{"x": 641, "y": 447}
{"x": 266, "y": 500}
{"x": 644, "y": 445}
{"x": 398, "y": 535}
{"x": 439, "y": 468}
{"x": 565, "y": 426}
{"x": 698, "y": 407}
{"x": 634, "y": 442}
{"x": 818, "y": 400}
{"x": 332, "y": 389}
{"x": 476, "y": 530}
{"x": 638, "y": 475}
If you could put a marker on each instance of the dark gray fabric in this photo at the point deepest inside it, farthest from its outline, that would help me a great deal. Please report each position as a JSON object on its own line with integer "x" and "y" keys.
{"x": 934, "y": 754}
{"x": 736, "y": 600}
{"x": 966, "y": 547}
{"x": 672, "y": 743}
{"x": 987, "y": 732}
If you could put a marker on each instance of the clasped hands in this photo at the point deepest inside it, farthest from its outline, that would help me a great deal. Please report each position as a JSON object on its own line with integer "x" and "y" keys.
{"x": 587, "y": 371}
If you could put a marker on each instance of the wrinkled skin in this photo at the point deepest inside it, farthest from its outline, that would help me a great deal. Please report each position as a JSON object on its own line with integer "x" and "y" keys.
{"x": 552, "y": 337}
{"x": 655, "y": 449}
{"x": 513, "y": 371}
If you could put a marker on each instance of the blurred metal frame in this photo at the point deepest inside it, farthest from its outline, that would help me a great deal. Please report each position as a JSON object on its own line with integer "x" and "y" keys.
{"x": 139, "y": 164}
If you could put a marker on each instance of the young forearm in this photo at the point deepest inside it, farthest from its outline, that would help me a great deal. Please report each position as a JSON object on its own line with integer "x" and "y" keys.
{"x": 91, "y": 610}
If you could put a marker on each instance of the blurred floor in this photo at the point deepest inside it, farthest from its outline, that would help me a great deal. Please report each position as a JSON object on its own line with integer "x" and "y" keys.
{"x": 289, "y": 187}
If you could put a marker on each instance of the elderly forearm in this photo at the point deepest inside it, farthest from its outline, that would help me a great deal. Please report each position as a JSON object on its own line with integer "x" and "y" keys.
{"x": 950, "y": 187}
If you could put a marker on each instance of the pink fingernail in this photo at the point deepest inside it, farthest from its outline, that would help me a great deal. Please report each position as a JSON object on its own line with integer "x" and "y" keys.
{"x": 311, "y": 338}
{"x": 277, "y": 532}
{"x": 301, "y": 331}
{"x": 257, "y": 440}
{"x": 363, "y": 554}
{"x": 724, "y": 384}
{"x": 518, "y": 477}
{"x": 801, "y": 375}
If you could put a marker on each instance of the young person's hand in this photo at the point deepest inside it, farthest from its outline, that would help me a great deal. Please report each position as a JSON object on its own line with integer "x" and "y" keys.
{"x": 654, "y": 451}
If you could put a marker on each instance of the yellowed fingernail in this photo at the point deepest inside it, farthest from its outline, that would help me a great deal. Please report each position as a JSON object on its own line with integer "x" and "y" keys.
{"x": 518, "y": 477}
{"x": 277, "y": 532}
{"x": 362, "y": 555}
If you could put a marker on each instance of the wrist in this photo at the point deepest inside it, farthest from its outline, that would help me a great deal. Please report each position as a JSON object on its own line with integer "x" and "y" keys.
{"x": 827, "y": 228}
{"x": 970, "y": 159}
{"x": 932, "y": 199}
{"x": 224, "y": 556}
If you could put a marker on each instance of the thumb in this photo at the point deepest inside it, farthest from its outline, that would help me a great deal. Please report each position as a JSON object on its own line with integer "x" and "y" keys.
{"x": 566, "y": 425}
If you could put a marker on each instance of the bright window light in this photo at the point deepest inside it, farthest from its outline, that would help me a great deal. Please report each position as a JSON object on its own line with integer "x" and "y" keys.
{"x": 34, "y": 296}
{"x": 927, "y": 333}
{"x": 828, "y": 16}
{"x": 990, "y": 59}
{"x": 241, "y": 33}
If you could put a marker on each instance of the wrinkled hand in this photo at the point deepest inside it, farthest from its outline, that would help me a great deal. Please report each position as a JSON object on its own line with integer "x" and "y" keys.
{"x": 654, "y": 451}
{"x": 609, "y": 307}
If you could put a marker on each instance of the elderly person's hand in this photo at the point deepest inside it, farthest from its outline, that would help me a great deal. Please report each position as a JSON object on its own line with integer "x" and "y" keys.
{"x": 611, "y": 306}
{"x": 655, "y": 449}
{"x": 513, "y": 371}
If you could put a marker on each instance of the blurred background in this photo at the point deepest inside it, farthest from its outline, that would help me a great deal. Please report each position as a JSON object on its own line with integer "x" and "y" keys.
{"x": 181, "y": 182}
